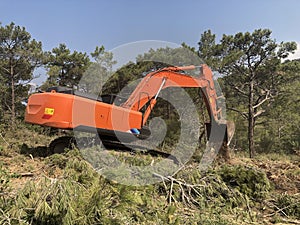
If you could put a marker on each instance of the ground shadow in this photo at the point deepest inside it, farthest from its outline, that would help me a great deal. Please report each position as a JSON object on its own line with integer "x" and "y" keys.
{"x": 38, "y": 151}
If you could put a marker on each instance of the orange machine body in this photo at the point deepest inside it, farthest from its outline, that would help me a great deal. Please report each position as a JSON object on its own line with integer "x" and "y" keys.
{"x": 66, "y": 111}
{"x": 69, "y": 111}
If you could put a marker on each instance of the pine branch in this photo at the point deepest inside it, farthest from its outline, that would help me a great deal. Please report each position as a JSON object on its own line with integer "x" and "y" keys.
{"x": 243, "y": 114}
{"x": 4, "y": 139}
{"x": 238, "y": 89}
{"x": 185, "y": 189}
{"x": 259, "y": 113}
{"x": 267, "y": 97}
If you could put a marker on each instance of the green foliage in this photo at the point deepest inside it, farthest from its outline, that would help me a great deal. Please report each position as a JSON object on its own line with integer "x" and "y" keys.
{"x": 150, "y": 61}
{"x": 66, "y": 68}
{"x": 25, "y": 139}
{"x": 4, "y": 182}
{"x": 250, "y": 182}
{"x": 50, "y": 202}
{"x": 180, "y": 56}
{"x": 98, "y": 72}
{"x": 251, "y": 65}
{"x": 206, "y": 49}
{"x": 59, "y": 160}
{"x": 126, "y": 75}
{"x": 280, "y": 133}
{"x": 19, "y": 56}
{"x": 79, "y": 195}
{"x": 288, "y": 205}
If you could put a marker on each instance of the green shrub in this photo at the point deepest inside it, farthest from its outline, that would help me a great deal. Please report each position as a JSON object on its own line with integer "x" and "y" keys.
{"x": 288, "y": 205}
{"x": 59, "y": 160}
{"x": 248, "y": 181}
{"x": 4, "y": 182}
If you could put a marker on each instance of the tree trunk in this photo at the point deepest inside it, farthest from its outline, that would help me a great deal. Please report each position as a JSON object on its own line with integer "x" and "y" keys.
{"x": 13, "y": 110}
{"x": 251, "y": 120}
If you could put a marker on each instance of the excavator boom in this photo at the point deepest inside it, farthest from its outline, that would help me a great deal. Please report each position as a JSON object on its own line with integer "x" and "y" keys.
{"x": 151, "y": 85}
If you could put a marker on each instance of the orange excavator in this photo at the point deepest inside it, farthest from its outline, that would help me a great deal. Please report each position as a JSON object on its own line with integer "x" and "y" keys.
{"x": 64, "y": 108}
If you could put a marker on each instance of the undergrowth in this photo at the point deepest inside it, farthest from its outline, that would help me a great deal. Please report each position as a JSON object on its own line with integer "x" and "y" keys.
{"x": 223, "y": 195}
{"x": 70, "y": 191}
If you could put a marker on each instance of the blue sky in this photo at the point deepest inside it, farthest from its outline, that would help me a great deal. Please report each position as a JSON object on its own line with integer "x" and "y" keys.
{"x": 82, "y": 25}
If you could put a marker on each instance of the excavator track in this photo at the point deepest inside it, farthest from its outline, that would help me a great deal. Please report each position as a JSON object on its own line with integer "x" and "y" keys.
{"x": 59, "y": 145}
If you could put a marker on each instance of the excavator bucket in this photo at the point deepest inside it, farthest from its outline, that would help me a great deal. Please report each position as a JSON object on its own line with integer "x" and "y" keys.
{"x": 217, "y": 132}
{"x": 219, "y": 138}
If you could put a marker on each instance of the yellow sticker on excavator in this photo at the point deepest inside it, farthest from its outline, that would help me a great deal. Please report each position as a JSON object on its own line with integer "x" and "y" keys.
{"x": 49, "y": 111}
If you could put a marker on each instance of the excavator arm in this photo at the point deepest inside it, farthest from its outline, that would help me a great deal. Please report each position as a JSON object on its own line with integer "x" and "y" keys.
{"x": 151, "y": 85}
{"x": 149, "y": 88}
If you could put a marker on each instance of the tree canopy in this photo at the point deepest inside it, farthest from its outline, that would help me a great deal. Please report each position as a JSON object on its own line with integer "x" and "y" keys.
{"x": 66, "y": 68}
{"x": 251, "y": 65}
{"x": 20, "y": 55}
